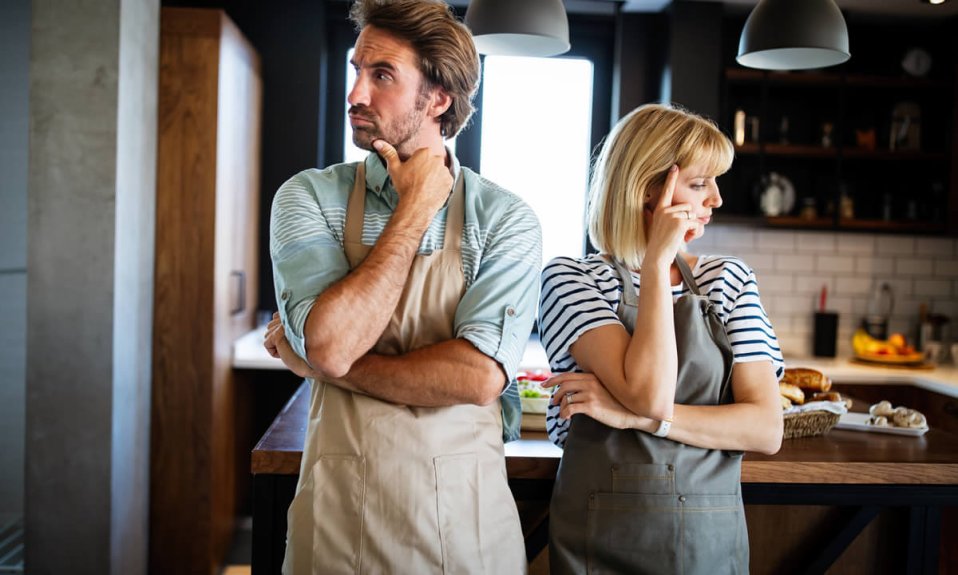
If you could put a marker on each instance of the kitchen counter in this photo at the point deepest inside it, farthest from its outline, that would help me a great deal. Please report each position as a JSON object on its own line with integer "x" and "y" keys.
{"x": 841, "y": 456}
{"x": 941, "y": 379}
{"x": 868, "y": 470}
{"x": 858, "y": 471}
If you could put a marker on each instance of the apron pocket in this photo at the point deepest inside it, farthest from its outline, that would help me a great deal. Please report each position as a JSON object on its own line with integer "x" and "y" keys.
{"x": 714, "y": 534}
{"x": 632, "y": 533}
{"x": 457, "y": 482}
{"x": 644, "y": 478}
{"x": 339, "y": 485}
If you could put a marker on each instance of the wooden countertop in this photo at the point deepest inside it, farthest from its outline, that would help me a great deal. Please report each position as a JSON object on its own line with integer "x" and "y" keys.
{"x": 838, "y": 457}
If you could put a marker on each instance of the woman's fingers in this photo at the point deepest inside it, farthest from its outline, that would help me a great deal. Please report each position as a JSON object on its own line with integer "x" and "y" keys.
{"x": 665, "y": 200}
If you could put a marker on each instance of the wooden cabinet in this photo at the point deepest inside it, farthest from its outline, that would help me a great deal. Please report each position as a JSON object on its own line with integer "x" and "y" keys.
{"x": 205, "y": 290}
{"x": 864, "y": 145}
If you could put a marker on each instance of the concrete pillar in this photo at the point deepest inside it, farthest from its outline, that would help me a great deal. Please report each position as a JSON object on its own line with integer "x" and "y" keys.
{"x": 14, "y": 132}
{"x": 92, "y": 175}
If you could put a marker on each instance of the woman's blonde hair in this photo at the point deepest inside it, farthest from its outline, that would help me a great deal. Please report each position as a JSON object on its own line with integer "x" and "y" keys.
{"x": 635, "y": 160}
{"x": 447, "y": 54}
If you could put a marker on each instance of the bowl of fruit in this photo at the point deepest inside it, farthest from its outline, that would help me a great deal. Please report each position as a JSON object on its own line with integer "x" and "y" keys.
{"x": 894, "y": 350}
{"x": 534, "y": 398}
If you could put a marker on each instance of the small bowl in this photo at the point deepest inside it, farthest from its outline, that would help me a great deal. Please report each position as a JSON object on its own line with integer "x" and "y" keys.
{"x": 534, "y": 404}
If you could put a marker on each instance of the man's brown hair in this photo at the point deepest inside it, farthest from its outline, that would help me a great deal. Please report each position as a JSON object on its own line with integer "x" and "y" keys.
{"x": 447, "y": 55}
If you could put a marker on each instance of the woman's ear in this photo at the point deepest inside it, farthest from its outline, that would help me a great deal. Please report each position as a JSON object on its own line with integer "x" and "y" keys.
{"x": 649, "y": 197}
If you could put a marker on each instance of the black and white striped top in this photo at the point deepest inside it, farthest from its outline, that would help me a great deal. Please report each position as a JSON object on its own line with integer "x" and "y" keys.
{"x": 582, "y": 294}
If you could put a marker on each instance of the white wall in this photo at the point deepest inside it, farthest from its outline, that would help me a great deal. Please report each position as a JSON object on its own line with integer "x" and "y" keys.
{"x": 792, "y": 266}
{"x": 14, "y": 118}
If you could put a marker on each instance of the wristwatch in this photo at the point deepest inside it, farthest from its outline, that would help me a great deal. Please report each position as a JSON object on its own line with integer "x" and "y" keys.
{"x": 664, "y": 426}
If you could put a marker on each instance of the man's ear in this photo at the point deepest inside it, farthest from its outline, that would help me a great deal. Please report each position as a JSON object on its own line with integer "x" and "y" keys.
{"x": 439, "y": 102}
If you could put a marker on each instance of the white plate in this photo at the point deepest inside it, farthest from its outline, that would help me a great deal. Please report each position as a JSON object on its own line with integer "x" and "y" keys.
{"x": 859, "y": 422}
{"x": 534, "y": 404}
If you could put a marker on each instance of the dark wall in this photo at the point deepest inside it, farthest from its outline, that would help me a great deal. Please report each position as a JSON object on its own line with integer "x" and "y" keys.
{"x": 292, "y": 44}
{"x": 695, "y": 56}
{"x": 641, "y": 57}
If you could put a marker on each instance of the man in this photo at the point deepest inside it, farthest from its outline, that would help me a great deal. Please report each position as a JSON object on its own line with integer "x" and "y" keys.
{"x": 408, "y": 284}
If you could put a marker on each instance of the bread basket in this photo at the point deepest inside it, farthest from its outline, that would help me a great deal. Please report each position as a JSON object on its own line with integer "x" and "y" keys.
{"x": 809, "y": 423}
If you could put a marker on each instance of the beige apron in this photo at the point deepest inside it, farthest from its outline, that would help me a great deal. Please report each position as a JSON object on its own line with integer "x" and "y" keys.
{"x": 387, "y": 488}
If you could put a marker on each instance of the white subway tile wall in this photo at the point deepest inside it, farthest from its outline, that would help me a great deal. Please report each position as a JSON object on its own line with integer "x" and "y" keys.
{"x": 793, "y": 266}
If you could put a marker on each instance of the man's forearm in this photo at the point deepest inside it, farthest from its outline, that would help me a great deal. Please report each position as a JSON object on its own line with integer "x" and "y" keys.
{"x": 452, "y": 372}
{"x": 349, "y": 317}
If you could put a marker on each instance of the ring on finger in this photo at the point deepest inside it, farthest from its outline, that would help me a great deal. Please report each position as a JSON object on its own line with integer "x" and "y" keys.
{"x": 688, "y": 215}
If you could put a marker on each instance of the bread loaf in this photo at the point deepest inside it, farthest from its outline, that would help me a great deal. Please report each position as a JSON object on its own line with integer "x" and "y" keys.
{"x": 807, "y": 379}
{"x": 792, "y": 392}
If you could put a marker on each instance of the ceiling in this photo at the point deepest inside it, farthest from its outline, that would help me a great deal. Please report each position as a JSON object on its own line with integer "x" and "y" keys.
{"x": 886, "y": 8}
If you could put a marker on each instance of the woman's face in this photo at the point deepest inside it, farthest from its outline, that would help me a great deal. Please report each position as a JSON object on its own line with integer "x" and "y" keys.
{"x": 696, "y": 187}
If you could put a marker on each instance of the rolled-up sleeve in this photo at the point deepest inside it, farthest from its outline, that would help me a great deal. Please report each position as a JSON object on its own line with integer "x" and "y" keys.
{"x": 306, "y": 252}
{"x": 497, "y": 311}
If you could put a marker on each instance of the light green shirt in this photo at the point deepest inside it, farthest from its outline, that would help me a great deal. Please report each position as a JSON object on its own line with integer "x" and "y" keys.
{"x": 501, "y": 258}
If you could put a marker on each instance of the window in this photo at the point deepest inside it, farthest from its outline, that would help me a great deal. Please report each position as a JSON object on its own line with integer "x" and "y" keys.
{"x": 536, "y": 141}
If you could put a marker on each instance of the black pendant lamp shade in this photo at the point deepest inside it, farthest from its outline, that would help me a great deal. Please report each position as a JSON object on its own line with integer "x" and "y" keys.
{"x": 794, "y": 35}
{"x": 518, "y": 27}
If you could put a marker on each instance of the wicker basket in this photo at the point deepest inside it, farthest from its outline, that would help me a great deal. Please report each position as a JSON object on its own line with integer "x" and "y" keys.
{"x": 809, "y": 423}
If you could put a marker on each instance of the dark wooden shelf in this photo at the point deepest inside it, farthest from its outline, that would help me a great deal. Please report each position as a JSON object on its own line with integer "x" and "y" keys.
{"x": 802, "y": 151}
{"x": 799, "y": 151}
{"x": 859, "y": 153}
{"x": 750, "y": 76}
{"x": 891, "y": 226}
{"x": 799, "y": 222}
{"x": 810, "y": 98}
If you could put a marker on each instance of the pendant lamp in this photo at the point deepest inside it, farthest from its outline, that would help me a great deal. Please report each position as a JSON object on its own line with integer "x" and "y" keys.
{"x": 794, "y": 35}
{"x": 518, "y": 27}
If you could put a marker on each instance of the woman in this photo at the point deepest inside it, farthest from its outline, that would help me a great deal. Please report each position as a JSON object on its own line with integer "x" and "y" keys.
{"x": 649, "y": 479}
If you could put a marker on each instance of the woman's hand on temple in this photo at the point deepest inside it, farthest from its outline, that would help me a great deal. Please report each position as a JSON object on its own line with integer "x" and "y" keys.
{"x": 671, "y": 224}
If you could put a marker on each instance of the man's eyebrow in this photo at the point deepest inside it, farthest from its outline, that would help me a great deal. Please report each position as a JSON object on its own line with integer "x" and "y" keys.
{"x": 382, "y": 64}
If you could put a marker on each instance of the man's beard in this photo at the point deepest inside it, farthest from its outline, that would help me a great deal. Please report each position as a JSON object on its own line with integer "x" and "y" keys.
{"x": 397, "y": 134}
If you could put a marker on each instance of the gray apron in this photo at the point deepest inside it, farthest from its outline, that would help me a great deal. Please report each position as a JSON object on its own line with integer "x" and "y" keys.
{"x": 387, "y": 488}
{"x": 629, "y": 502}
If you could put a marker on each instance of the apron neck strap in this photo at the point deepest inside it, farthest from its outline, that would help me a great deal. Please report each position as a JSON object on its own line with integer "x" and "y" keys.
{"x": 687, "y": 276}
{"x": 629, "y": 297}
{"x": 455, "y": 215}
{"x": 628, "y": 286}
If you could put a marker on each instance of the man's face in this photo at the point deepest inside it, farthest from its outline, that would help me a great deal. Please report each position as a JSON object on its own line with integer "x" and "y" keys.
{"x": 388, "y": 100}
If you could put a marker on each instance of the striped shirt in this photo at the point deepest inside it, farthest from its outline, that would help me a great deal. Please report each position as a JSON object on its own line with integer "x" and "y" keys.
{"x": 501, "y": 257}
{"x": 579, "y": 295}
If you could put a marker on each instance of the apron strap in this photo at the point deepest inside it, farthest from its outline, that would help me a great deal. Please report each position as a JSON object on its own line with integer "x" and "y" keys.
{"x": 455, "y": 216}
{"x": 353, "y": 234}
{"x": 629, "y": 297}
{"x": 628, "y": 303}
{"x": 687, "y": 276}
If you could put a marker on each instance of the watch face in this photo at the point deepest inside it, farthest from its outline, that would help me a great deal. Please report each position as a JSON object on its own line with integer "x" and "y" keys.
{"x": 916, "y": 62}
